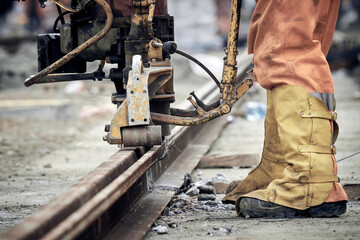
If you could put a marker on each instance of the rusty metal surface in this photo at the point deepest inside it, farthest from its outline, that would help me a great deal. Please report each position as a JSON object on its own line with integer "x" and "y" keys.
{"x": 62, "y": 206}
{"x": 142, "y": 136}
{"x": 155, "y": 83}
{"x": 77, "y": 222}
{"x": 138, "y": 95}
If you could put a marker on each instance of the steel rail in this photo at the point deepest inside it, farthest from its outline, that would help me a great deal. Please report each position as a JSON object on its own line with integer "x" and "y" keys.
{"x": 76, "y": 223}
{"x": 113, "y": 188}
{"x": 101, "y": 188}
{"x": 53, "y": 213}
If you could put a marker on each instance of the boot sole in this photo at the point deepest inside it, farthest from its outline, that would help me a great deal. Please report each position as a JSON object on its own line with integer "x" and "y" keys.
{"x": 254, "y": 208}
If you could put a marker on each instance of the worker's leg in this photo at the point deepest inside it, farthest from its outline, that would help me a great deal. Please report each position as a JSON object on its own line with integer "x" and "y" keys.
{"x": 290, "y": 40}
{"x": 272, "y": 162}
{"x": 305, "y": 131}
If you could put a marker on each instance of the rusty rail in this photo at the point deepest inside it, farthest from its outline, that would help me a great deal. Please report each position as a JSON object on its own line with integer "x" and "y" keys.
{"x": 113, "y": 188}
{"x": 82, "y": 206}
{"x": 63, "y": 206}
{"x": 75, "y": 224}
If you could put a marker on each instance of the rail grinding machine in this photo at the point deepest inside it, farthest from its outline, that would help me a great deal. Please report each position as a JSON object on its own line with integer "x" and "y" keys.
{"x": 138, "y": 36}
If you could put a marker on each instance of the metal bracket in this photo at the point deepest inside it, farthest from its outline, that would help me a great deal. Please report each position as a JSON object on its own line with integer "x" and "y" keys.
{"x": 138, "y": 95}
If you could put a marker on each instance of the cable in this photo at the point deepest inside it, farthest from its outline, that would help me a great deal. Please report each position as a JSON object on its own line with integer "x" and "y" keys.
{"x": 201, "y": 65}
{"x": 349, "y": 156}
{"x": 58, "y": 19}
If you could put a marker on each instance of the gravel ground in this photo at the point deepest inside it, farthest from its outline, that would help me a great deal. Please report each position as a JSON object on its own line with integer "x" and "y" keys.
{"x": 213, "y": 220}
{"x": 47, "y": 147}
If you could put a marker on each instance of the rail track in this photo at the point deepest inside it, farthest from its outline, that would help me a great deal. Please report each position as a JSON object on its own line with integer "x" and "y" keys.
{"x": 125, "y": 194}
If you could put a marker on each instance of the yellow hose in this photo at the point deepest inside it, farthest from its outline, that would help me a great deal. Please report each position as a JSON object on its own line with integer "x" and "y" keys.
{"x": 63, "y": 6}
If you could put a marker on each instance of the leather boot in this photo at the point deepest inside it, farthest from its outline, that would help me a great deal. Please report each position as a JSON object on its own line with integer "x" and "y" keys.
{"x": 309, "y": 185}
{"x": 272, "y": 163}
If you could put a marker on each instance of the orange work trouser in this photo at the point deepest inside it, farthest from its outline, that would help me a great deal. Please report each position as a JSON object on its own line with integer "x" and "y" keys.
{"x": 290, "y": 40}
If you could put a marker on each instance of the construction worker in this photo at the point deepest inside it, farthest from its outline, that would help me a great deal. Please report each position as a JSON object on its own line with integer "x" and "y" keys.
{"x": 297, "y": 175}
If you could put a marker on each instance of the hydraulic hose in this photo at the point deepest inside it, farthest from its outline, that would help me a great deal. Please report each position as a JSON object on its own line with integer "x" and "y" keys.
{"x": 37, "y": 77}
{"x": 64, "y": 7}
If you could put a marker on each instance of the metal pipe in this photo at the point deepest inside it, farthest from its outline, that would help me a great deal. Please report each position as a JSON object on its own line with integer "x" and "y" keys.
{"x": 233, "y": 33}
{"x": 187, "y": 121}
{"x": 230, "y": 63}
{"x": 37, "y": 77}
{"x": 66, "y": 77}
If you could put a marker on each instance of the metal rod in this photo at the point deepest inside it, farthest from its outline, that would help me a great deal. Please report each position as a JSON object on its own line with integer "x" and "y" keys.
{"x": 230, "y": 63}
{"x": 193, "y": 113}
{"x": 37, "y": 77}
{"x": 349, "y": 156}
{"x": 65, "y": 77}
{"x": 187, "y": 121}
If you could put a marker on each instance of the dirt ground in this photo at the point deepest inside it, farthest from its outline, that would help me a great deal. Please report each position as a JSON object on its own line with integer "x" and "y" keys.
{"x": 189, "y": 218}
{"x": 47, "y": 143}
{"x": 50, "y": 136}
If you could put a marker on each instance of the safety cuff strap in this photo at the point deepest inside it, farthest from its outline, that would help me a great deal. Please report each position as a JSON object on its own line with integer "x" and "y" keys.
{"x": 317, "y": 149}
{"x": 332, "y": 116}
{"x": 319, "y": 179}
